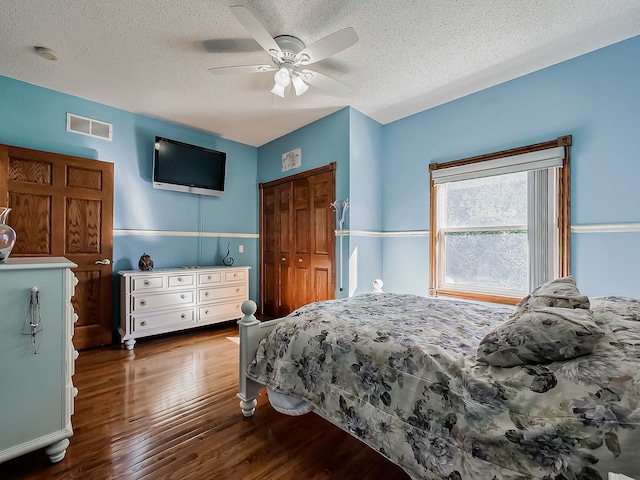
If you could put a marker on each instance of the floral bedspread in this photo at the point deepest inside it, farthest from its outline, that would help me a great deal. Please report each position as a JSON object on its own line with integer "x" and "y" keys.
{"x": 400, "y": 373}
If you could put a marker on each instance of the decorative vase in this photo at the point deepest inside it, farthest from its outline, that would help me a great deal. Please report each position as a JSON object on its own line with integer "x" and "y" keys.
{"x": 7, "y": 235}
{"x": 145, "y": 263}
{"x": 227, "y": 260}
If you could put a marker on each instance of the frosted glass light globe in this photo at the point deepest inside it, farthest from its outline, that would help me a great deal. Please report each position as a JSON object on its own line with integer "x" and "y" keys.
{"x": 282, "y": 77}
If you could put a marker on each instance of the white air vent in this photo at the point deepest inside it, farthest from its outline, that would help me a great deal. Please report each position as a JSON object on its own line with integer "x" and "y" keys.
{"x": 88, "y": 126}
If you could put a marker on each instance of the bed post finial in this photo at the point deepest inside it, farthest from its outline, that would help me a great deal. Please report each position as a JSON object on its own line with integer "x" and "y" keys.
{"x": 248, "y": 389}
{"x": 377, "y": 286}
{"x": 248, "y": 307}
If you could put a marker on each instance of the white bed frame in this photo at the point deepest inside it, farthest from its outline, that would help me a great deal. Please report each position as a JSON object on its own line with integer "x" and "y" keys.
{"x": 252, "y": 331}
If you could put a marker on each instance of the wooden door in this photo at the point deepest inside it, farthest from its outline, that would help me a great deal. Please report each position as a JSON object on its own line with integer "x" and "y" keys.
{"x": 322, "y": 251}
{"x": 63, "y": 206}
{"x": 276, "y": 250}
{"x": 297, "y": 241}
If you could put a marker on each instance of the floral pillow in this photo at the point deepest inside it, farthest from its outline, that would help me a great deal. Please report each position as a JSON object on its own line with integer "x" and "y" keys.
{"x": 561, "y": 292}
{"x": 540, "y": 335}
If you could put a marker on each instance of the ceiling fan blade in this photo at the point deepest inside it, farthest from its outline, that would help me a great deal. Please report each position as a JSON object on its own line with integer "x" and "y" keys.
{"x": 328, "y": 84}
{"x": 243, "y": 69}
{"x": 327, "y": 46}
{"x": 255, "y": 28}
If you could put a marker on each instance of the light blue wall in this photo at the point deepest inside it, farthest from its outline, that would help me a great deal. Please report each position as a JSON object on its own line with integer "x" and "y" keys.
{"x": 321, "y": 142}
{"x": 365, "y": 219}
{"x": 35, "y": 118}
{"x": 595, "y": 98}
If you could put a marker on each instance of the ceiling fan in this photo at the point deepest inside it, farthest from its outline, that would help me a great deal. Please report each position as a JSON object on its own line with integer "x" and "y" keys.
{"x": 290, "y": 56}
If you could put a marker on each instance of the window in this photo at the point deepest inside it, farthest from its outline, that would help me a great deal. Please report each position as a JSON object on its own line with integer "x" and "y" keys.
{"x": 500, "y": 222}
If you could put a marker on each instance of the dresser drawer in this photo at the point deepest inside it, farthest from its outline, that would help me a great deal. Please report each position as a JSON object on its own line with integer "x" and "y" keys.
{"x": 210, "y": 278}
{"x": 150, "y": 322}
{"x": 141, "y": 284}
{"x": 140, "y": 303}
{"x": 235, "y": 276}
{"x": 179, "y": 281}
{"x": 222, "y": 293}
{"x": 220, "y": 311}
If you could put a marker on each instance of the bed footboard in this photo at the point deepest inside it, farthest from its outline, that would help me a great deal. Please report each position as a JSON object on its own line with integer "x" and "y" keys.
{"x": 251, "y": 332}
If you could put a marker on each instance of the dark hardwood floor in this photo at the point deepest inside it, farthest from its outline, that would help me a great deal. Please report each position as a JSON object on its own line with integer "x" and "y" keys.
{"x": 168, "y": 410}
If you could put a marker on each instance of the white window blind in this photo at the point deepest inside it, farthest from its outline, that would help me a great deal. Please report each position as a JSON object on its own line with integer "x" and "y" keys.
{"x": 538, "y": 160}
{"x": 542, "y": 229}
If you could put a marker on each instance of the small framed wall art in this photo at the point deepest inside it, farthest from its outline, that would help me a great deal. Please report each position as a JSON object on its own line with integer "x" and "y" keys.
{"x": 291, "y": 159}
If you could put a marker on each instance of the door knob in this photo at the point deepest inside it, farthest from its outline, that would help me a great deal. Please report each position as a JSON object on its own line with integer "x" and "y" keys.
{"x": 104, "y": 261}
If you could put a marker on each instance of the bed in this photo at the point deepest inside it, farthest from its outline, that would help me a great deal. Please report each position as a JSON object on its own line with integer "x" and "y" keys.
{"x": 452, "y": 390}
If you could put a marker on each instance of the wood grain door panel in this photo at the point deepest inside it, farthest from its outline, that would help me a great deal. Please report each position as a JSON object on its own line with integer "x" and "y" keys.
{"x": 63, "y": 206}
{"x": 36, "y": 218}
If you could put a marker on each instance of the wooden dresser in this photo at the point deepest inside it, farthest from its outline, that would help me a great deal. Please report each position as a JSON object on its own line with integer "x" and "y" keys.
{"x": 161, "y": 301}
{"x": 36, "y": 389}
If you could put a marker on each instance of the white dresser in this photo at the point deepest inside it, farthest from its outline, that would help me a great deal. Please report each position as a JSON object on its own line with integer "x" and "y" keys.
{"x": 36, "y": 389}
{"x": 161, "y": 301}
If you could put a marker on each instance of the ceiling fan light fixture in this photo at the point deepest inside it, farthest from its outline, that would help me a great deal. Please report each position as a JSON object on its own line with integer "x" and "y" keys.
{"x": 278, "y": 90}
{"x": 288, "y": 53}
{"x": 299, "y": 85}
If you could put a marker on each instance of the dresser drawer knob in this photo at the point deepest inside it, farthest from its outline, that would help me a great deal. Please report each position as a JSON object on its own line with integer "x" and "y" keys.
{"x": 146, "y": 283}
{"x": 182, "y": 296}
{"x": 183, "y": 316}
{"x": 143, "y": 323}
{"x": 206, "y": 312}
{"x": 179, "y": 279}
{"x": 237, "y": 290}
{"x": 206, "y": 294}
{"x": 143, "y": 303}
{"x": 209, "y": 277}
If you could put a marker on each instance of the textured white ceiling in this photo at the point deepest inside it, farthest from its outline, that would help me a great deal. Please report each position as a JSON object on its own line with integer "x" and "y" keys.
{"x": 151, "y": 56}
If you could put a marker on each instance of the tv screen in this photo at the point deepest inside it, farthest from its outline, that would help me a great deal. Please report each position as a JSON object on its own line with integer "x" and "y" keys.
{"x": 187, "y": 168}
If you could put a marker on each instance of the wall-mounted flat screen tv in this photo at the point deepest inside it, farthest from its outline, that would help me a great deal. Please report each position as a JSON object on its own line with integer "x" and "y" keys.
{"x": 188, "y": 168}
